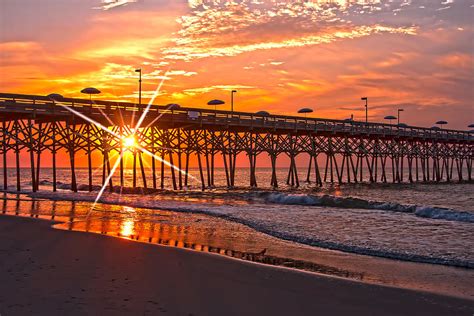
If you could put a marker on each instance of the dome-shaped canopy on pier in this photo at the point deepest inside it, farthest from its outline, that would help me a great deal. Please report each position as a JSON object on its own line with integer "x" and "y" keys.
{"x": 305, "y": 110}
{"x": 390, "y": 117}
{"x": 442, "y": 122}
{"x": 263, "y": 113}
{"x": 90, "y": 90}
{"x": 55, "y": 96}
{"x": 215, "y": 102}
{"x": 173, "y": 106}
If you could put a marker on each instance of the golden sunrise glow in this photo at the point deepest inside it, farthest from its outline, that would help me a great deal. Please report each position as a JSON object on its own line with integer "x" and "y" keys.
{"x": 129, "y": 142}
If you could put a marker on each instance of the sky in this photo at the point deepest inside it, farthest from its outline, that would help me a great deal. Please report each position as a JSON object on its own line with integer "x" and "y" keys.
{"x": 279, "y": 55}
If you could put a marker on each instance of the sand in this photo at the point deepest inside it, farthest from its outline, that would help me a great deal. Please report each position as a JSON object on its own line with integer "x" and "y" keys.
{"x": 44, "y": 271}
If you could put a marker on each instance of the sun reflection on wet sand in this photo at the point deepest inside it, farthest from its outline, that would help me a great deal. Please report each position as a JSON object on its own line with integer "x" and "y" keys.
{"x": 127, "y": 228}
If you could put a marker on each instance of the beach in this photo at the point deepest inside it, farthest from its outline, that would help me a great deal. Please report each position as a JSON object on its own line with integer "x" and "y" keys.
{"x": 49, "y": 271}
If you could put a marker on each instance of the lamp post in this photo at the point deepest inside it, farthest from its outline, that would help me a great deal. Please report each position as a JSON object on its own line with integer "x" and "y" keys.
{"x": 232, "y": 100}
{"x": 398, "y": 116}
{"x": 366, "y": 108}
{"x": 139, "y": 70}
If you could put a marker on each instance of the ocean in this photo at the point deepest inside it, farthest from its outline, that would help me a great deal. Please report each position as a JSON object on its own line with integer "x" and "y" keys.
{"x": 430, "y": 222}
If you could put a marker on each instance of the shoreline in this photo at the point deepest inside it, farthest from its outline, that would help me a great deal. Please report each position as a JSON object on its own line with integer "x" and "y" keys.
{"x": 423, "y": 277}
{"x": 109, "y": 275}
{"x": 432, "y": 278}
{"x": 310, "y": 242}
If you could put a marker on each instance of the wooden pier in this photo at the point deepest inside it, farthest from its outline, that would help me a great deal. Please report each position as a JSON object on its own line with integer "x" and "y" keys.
{"x": 38, "y": 124}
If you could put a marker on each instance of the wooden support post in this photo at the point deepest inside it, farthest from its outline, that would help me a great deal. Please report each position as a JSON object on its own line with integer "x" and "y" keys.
{"x": 451, "y": 168}
{"x": 401, "y": 168}
{"x": 423, "y": 166}
{"x": 416, "y": 168}
{"x": 201, "y": 174}
{"x": 308, "y": 180}
{"x": 370, "y": 166}
{"x": 354, "y": 168}
{"x": 469, "y": 168}
{"x": 142, "y": 168}
{"x": 340, "y": 175}
{"x": 274, "y": 180}
{"x": 38, "y": 154}
{"x": 393, "y": 169}
{"x": 134, "y": 171}
{"x": 53, "y": 149}
{"x": 331, "y": 158}
{"x": 122, "y": 182}
{"x": 17, "y": 156}
{"x": 206, "y": 156}
{"x": 4, "y": 145}
{"x": 410, "y": 165}
{"x": 397, "y": 167}
{"x": 290, "y": 170}
{"x": 376, "y": 168}
{"x": 427, "y": 168}
{"x": 71, "y": 138}
{"x": 111, "y": 186}
{"x": 153, "y": 162}
{"x": 316, "y": 170}
{"x": 32, "y": 155}
{"x": 295, "y": 172}
{"x": 326, "y": 167}
{"x": 104, "y": 174}
{"x": 346, "y": 155}
{"x": 187, "y": 168}
{"x": 173, "y": 174}
{"x": 383, "y": 162}
{"x": 227, "y": 174}
{"x": 180, "y": 174}
{"x": 89, "y": 156}
{"x": 162, "y": 169}
{"x": 234, "y": 157}
{"x": 213, "y": 158}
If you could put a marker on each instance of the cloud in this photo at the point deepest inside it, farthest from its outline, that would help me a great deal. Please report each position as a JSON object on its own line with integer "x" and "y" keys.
{"x": 111, "y": 4}
{"x": 194, "y": 51}
{"x": 202, "y": 90}
{"x": 181, "y": 73}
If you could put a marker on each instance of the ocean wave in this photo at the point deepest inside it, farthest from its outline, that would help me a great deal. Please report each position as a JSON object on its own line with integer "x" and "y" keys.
{"x": 356, "y": 203}
{"x": 437, "y": 213}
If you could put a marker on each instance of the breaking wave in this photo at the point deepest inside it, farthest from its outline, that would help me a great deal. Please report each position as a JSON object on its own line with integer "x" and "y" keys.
{"x": 356, "y": 203}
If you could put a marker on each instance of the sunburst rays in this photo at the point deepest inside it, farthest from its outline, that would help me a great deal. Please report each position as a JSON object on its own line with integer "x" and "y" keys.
{"x": 130, "y": 140}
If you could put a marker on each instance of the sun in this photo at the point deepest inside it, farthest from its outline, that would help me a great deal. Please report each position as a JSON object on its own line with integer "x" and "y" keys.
{"x": 129, "y": 141}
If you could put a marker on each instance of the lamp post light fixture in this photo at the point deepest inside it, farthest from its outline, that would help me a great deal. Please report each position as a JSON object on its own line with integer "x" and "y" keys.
{"x": 232, "y": 100}
{"x": 139, "y": 70}
{"x": 398, "y": 116}
{"x": 366, "y": 99}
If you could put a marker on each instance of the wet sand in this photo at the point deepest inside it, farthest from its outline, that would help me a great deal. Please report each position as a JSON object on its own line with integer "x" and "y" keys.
{"x": 45, "y": 271}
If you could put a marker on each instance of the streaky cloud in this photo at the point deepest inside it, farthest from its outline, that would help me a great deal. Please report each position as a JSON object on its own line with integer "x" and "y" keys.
{"x": 111, "y": 4}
